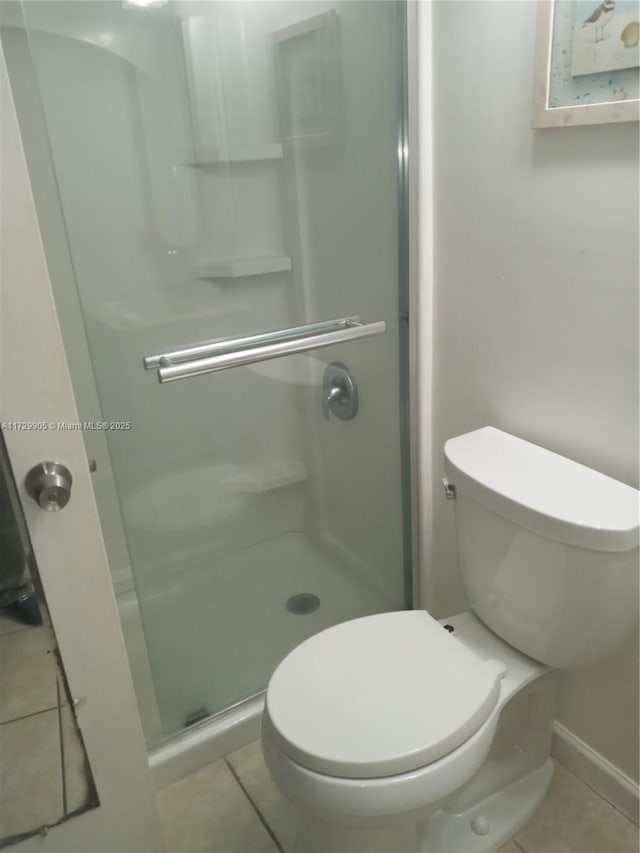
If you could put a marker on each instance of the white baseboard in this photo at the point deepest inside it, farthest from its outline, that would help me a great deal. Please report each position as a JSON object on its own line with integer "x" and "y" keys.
{"x": 598, "y": 773}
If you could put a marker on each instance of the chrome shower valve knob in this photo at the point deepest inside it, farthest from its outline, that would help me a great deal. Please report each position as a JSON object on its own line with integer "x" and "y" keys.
{"x": 339, "y": 392}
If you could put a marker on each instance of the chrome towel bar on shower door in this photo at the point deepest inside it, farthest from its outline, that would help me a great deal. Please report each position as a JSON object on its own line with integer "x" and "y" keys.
{"x": 235, "y": 352}
{"x": 224, "y": 345}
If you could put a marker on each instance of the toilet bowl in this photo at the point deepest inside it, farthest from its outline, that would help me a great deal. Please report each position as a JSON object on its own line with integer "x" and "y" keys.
{"x": 386, "y": 782}
{"x": 396, "y": 732}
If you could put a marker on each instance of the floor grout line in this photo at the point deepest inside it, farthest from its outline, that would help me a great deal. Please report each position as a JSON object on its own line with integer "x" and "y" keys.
{"x": 25, "y": 716}
{"x": 594, "y": 790}
{"x": 61, "y": 735}
{"x": 18, "y": 629}
{"x": 261, "y": 817}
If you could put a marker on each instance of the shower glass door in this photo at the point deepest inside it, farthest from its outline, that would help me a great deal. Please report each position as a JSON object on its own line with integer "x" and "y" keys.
{"x": 218, "y": 192}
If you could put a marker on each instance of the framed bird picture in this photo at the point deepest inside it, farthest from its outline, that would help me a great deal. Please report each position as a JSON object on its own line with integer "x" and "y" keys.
{"x": 587, "y": 62}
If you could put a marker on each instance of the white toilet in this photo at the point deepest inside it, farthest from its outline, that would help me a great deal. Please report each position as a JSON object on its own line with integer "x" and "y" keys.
{"x": 397, "y": 732}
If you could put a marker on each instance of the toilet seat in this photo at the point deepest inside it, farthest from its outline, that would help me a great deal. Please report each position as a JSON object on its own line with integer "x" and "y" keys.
{"x": 379, "y": 696}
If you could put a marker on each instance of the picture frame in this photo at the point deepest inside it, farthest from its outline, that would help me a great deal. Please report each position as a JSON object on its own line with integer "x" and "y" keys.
{"x": 563, "y": 100}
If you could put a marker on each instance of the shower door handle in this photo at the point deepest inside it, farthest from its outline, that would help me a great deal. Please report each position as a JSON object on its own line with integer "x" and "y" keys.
{"x": 263, "y": 347}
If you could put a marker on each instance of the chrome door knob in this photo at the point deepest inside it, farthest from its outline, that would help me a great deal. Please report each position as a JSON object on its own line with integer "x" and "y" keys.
{"x": 49, "y": 483}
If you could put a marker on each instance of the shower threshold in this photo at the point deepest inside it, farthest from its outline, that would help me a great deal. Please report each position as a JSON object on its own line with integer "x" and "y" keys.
{"x": 183, "y": 753}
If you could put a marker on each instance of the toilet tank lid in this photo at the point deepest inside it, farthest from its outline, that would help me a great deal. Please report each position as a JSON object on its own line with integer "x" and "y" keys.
{"x": 543, "y": 491}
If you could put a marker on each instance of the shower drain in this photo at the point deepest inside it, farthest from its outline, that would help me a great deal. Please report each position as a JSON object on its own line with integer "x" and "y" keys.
{"x": 303, "y": 603}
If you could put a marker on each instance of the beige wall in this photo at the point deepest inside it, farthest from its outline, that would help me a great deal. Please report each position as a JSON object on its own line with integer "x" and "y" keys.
{"x": 536, "y": 299}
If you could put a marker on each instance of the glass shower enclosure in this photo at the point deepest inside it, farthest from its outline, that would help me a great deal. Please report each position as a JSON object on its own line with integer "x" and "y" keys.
{"x": 219, "y": 187}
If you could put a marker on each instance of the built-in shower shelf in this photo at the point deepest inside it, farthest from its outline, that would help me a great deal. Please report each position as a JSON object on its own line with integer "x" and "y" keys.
{"x": 241, "y": 267}
{"x": 206, "y": 156}
{"x": 266, "y": 478}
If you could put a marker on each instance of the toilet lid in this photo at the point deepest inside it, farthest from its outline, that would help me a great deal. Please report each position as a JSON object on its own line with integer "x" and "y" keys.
{"x": 378, "y": 696}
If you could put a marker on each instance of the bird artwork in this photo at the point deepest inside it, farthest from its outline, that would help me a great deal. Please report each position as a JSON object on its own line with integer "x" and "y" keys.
{"x": 600, "y": 19}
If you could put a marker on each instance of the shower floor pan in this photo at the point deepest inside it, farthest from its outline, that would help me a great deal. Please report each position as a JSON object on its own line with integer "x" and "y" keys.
{"x": 213, "y": 635}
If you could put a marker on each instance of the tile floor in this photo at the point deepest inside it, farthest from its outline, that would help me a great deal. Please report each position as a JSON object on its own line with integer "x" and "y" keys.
{"x": 231, "y": 806}
{"x": 42, "y": 772}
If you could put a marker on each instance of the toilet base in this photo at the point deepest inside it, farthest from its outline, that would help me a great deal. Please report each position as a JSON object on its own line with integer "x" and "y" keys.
{"x": 482, "y": 828}
{"x": 490, "y": 823}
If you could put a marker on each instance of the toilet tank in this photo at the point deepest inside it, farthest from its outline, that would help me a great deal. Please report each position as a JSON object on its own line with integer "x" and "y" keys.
{"x": 547, "y": 548}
